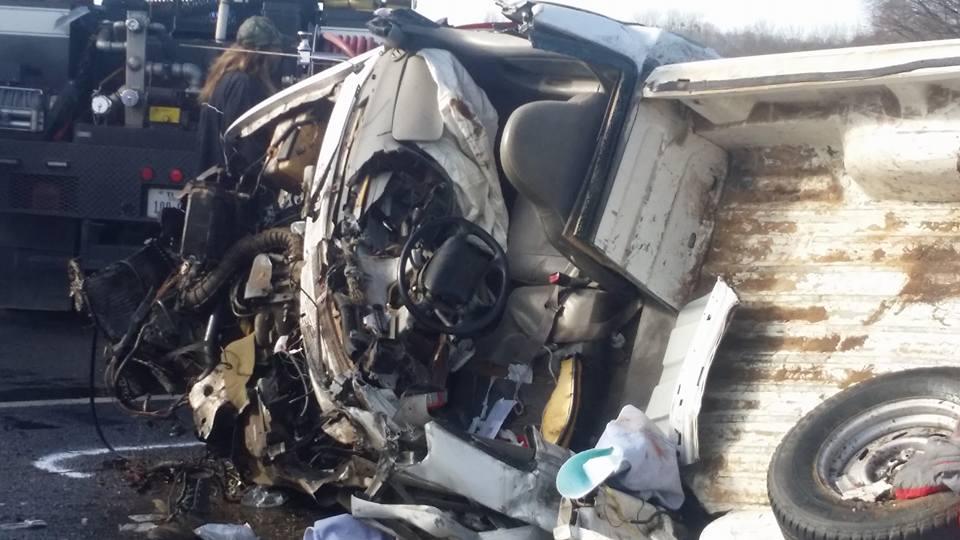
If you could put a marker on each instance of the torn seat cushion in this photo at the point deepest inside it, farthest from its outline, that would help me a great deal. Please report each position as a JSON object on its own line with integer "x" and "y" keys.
{"x": 560, "y": 413}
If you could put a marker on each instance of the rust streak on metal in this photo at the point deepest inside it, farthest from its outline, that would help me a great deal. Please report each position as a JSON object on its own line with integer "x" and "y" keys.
{"x": 782, "y": 160}
{"x": 857, "y": 376}
{"x": 731, "y": 249}
{"x": 771, "y": 284}
{"x": 787, "y": 191}
{"x": 926, "y": 263}
{"x": 827, "y": 343}
{"x": 741, "y": 225}
{"x": 835, "y": 255}
{"x": 941, "y": 226}
{"x": 852, "y": 342}
{"x": 891, "y": 223}
{"x": 930, "y": 271}
{"x": 753, "y": 375}
{"x": 798, "y": 374}
{"x": 773, "y": 313}
{"x": 879, "y": 312}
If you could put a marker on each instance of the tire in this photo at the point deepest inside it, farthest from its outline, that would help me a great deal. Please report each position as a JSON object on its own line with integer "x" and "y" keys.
{"x": 808, "y": 507}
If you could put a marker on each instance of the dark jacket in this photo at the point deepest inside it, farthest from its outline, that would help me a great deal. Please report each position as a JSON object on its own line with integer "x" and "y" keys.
{"x": 236, "y": 93}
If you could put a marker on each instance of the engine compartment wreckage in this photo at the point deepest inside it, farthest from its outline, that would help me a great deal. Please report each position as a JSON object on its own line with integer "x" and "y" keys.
{"x": 406, "y": 304}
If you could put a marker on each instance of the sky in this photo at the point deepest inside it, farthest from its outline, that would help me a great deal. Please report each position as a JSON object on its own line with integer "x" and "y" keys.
{"x": 794, "y": 16}
{"x": 803, "y": 15}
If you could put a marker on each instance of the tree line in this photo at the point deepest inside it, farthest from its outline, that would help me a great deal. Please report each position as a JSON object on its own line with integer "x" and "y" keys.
{"x": 890, "y": 21}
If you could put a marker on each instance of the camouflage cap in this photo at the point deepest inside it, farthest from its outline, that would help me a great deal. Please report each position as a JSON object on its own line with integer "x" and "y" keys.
{"x": 258, "y": 33}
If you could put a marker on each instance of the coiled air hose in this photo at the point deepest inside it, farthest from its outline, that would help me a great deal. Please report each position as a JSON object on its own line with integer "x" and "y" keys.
{"x": 239, "y": 256}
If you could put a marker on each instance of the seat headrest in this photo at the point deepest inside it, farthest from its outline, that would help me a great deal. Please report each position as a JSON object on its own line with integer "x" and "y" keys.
{"x": 547, "y": 146}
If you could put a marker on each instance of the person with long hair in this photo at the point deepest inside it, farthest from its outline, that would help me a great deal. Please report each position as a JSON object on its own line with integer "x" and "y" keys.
{"x": 239, "y": 79}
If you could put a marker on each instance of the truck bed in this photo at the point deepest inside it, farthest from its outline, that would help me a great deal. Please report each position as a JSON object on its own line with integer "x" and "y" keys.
{"x": 835, "y": 289}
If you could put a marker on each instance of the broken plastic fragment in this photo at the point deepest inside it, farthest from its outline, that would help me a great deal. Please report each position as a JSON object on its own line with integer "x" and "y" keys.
{"x": 25, "y": 524}
{"x": 139, "y": 528}
{"x": 227, "y": 384}
{"x": 225, "y": 531}
{"x": 490, "y": 426}
{"x": 869, "y": 492}
{"x": 261, "y": 274}
{"x": 261, "y": 497}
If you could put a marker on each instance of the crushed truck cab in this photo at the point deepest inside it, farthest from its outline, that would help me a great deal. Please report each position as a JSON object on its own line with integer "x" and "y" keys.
{"x": 469, "y": 249}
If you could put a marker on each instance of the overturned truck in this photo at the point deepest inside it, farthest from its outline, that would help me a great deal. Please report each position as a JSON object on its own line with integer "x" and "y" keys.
{"x": 466, "y": 250}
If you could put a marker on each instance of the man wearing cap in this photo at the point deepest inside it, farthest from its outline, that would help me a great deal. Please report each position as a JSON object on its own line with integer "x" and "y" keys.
{"x": 239, "y": 79}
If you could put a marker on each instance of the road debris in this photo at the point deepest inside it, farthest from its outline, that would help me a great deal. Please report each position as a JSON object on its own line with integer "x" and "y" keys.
{"x": 261, "y": 497}
{"x": 23, "y": 525}
{"x": 225, "y": 531}
{"x": 137, "y": 528}
{"x": 869, "y": 493}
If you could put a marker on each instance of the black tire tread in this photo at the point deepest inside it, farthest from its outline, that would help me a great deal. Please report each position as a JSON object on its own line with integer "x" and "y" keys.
{"x": 942, "y": 523}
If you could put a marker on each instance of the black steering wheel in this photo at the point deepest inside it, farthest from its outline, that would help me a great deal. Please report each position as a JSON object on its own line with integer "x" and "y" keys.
{"x": 452, "y": 277}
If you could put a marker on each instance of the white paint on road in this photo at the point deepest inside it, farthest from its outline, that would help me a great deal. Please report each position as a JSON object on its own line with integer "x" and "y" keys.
{"x": 74, "y": 401}
{"x": 56, "y": 462}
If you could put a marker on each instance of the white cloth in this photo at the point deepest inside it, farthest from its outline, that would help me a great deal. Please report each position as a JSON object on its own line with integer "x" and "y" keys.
{"x": 649, "y": 462}
{"x": 466, "y": 149}
{"x": 342, "y": 527}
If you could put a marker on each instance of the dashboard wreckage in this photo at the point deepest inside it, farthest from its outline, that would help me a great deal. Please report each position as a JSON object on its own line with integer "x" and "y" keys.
{"x": 414, "y": 301}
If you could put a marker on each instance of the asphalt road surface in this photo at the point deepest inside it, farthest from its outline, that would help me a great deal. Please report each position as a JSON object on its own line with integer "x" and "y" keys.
{"x": 43, "y": 355}
{"x": 54, "y": 468}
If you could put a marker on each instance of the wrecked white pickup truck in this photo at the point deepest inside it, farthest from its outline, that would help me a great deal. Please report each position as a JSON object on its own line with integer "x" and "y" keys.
{"x": 466, "y": 250}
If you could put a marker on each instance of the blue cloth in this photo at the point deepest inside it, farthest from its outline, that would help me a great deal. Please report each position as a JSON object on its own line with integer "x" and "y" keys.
{"x": 343, "y": 527}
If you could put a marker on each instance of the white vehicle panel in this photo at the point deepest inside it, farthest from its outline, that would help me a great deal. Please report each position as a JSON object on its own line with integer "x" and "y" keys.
{"x": 659, "y": 215}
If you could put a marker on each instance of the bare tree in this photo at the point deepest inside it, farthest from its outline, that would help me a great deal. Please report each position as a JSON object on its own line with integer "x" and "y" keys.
{"x": 917, "y": 19}
{"x": 760, "y": 38}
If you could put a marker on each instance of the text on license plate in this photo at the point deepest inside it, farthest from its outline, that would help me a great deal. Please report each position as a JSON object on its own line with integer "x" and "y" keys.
{"x": 158, "y": 199}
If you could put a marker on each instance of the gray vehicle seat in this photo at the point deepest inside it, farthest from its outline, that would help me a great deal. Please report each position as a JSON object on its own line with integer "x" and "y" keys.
{"x": 545, "y": 150}
{"x": 531, "y": 255}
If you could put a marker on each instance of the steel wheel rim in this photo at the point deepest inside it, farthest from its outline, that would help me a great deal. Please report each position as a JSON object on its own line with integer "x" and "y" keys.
{"x": 871, "y": 446}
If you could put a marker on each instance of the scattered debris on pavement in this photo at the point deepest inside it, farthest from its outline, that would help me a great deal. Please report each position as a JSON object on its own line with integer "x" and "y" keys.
{"x": 225, "y": 531}
{"x": 23, "y": 525}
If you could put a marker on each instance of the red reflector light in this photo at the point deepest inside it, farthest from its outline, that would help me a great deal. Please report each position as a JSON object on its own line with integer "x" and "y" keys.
{"x": 146, "y": 173}
{"x": 176, "y": 176}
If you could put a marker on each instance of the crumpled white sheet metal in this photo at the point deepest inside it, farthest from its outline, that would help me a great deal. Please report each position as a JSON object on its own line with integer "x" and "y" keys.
{"x": 317, "y": 229}
{"x": 455, "y": 465}
{"x": 308, "y": 90}
{"x": 640, "y": 43}
{"x": 438, "y": 523}
{"x": 675, "y": 403}
{"x": 613, "y": 515}
{"x": 466, "y": 150}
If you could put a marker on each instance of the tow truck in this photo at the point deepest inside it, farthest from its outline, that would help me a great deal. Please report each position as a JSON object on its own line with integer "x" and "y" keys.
{"x": 98, "y": 113}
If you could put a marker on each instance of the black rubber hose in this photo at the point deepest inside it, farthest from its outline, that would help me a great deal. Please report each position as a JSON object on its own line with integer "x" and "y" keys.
{"x": 239, "y": 256}
{"x": 93, "y": 398}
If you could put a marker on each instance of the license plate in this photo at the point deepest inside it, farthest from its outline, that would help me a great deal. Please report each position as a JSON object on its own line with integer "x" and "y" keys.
{"x": 158, "y": 199}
